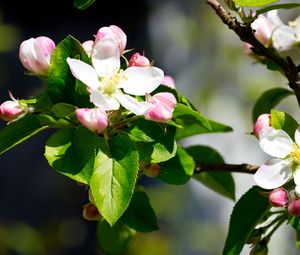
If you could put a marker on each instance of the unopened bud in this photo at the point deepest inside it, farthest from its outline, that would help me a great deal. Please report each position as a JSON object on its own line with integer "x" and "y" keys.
{"x": 263, "y": 29}
{"x": 138, "y": 60}
{"x": 262, "y": 122}
{"x": 11, "y": 110}
{"x": 294, "y": 207}
{"x": 88, "y": 47}
{"x": 168, "y": 81}
{"x": 150, "y": 169}
{"x": 35, "y": 54}
{"x": 278, "y": 197}
{"x": 90, "y": 212}
{"x": 94, "y": 119}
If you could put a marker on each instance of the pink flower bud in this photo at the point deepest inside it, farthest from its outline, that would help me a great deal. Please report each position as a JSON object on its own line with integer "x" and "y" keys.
{"x": 11, "y": 110}
{"x": 138, "y": 60}
{"x": 88, "y": 47}
{"x": 294, "y": 207}
{"x": 90, "y": 212}
{"x": 262, "y": 122}
{"x": 278, "y": 197}
{"x": 35, "y": 54}
{"x": 149, "y": 169}
{"x": 263, "y": 29}
{"x": 94, "y": 119}
{"x": 161, "y": 107}
{"x": 168, "y": 81}
{"x": 115, "y": 33}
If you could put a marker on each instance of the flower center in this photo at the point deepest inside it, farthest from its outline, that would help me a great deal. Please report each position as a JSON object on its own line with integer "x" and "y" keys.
{"x": 295, "y": 155}
{"x": 112, "y": 81}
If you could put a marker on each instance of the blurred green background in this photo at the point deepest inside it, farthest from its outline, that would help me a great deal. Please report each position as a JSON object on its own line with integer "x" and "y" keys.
{"x": 40, "y": 210}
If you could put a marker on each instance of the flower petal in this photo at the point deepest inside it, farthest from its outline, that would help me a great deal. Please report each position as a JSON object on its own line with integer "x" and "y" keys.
{"x": 273, "y": 174}
{"x": 142, "y": 80}
{"x": 297, "y": 136}
{"x": 106, "y": 57}
{"x": 296, "y": 175}
{"x": 104, "y": 102}
{"x": 84, "y": 73}
{"x": 276, "y": 143}
{"x": 132, "y": 104}
{"x": 274, "y": 18}
{"x": 284, "y": 37}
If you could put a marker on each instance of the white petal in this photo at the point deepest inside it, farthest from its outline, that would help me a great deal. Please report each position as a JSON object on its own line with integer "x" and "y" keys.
{"x": 297, "y": 190}
{"x": 276, "y": 143}
{"x": 274, "y": 18}
{"x": 273, "y": 174}
{"x": 106, "y": 57}
{"x": 283, "y": 38}
{"x": 84, "y": 73}
{"x": 296, "y": 175}
{"x": 132, "y": 104}
{"x": 142, "y": 80}
{"x": 297, "y": 136}
{"x": 104, "y": 102}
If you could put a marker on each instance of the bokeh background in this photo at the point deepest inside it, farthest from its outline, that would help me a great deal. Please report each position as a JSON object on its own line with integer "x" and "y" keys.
{"x": 40, "y": 210}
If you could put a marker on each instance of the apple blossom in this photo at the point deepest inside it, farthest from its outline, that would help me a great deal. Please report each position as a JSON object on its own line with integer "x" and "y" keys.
{"x": 88, "y": 47}
{"x": 161, "y": 108}
{"x": 94, "y": 119}
{"x": 138, "y": 60}
{"x": 286, "y": 164}
{"x": 263, "y": 28}
{"x": 35, "y": 54}
{"x": 115, "y": 33}
{"x": 168, "y": 81}
{"x": 109, "y": 85}
{"x": 11, "y": 110}
{"x": 294, "y": 207}
{"x": 278, "y": 197}
{"x": 263, "y": 121}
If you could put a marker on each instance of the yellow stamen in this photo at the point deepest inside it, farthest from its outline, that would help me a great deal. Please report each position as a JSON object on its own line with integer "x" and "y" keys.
{"x": 111, "y": 82}
{"x": 295, "y": 154}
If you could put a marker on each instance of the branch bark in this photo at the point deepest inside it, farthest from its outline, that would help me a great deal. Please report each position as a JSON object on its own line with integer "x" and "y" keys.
{"x": 237, "y": 168}
{"x": 246, "y": 34}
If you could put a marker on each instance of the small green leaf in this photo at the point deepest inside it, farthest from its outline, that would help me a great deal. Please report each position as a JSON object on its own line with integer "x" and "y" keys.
{"x": 140, "y": 216}
{"x": 155, "y": 142}
{"x": 61, "y": 82}
{"x": 114, "y": 177}
{"x": 114, "y": 240}
{"x": 276, "y": 7}
{"x": 295, "y": 222}
{"x": 83, "y": 4}
{"x": 220, "y": 181}
{"x": 177, "y": 170}
{"x": 19, "y": 131}
{"x": 284, "y": 121}
{"x": 62, "y": 110}
{"x": 254, "y": 2}
{"x": 72, "y": 153}
{"x": 246, "y": 214}
{"x": 268, "y": 100}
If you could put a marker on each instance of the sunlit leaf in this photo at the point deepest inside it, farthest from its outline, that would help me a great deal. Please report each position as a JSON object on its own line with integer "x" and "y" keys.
{"x": 254, "y": 2}
{"x": 284, "y": 121}
{"x": 83, "y": 4}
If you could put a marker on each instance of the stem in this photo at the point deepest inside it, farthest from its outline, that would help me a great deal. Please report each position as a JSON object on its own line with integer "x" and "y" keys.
{"x": 238, "y": 168}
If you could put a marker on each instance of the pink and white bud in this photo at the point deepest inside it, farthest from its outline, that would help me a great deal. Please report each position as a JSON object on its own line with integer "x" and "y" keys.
{"x": 35, "y": 54}
{"x": 161, "y": 107}
{"x": 90, "y": 212}
{"x": 278, "y": 197}
{"x": 11, "y": 110}
{"x": 88, "y": 47}
{"x": 168, "y": 81}
{"x": 263, "y": 121}
{"x": 94, "y": 119}
{"x": 263, "y": 28}
{"x": 294, "y": 207}
{"x": 115, "y": 33}
{"x": 150, "y": 169}
{"x": 138, "y": 60}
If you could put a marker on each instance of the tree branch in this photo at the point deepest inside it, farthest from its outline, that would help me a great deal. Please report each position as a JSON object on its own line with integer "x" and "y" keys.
{"x": 246, "y": 34}
{"x": 237, "y": 168}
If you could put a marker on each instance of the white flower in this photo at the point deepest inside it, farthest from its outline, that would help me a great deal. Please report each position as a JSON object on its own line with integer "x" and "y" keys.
{"x": 286, "y": 164}
{"x": 107, "y": 82}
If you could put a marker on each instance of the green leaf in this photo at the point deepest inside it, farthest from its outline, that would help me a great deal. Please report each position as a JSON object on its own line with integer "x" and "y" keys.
{"x": 72, "y": 152}
{"x": 295, "y": 222}
{"x": 220, "y": 181}
{"x": 155, "y": 141}
{"x": 178, "y": 170}
{"x": 61, "y": 83}
{"x": 284, "y": 121}
{"x": 19, "y": 131}
{"x": 268, "y": 100}
{"x": 247, "y": 213}
{"x": 114, "y": 240}
{"x": 62, "y": 110}
{"x": 276, "y": 7}
{"x": 83, "y": 4}
{"x": 194, "y": 123}
{"x": 114, "y": 177}
{"x": 254, "y": 2}
{"x": 140, "y": 216}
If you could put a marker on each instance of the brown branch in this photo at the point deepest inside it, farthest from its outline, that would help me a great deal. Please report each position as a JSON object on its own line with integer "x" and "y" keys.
{"x": 246, "y": 34}
{"x": 237, "y": 168}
